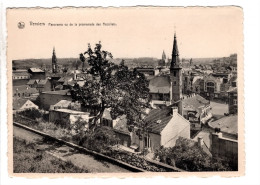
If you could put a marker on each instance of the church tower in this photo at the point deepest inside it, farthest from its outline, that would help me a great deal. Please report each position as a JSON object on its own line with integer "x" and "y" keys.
{"x": 54, "y": 62}
{"x": 175, "y": 74}
{"x": 163, "y": 56}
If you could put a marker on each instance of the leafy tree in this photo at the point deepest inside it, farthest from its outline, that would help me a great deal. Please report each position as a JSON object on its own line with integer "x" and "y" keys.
{"x": 188, "y": 156}
{"x": 113, "y": 87}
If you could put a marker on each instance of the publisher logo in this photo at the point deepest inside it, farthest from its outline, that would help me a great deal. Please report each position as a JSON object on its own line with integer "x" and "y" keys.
{"x": 21, "y": 25}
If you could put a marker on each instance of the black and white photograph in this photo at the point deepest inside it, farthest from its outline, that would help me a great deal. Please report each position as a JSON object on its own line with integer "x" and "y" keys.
{"x": 125, "y": 91}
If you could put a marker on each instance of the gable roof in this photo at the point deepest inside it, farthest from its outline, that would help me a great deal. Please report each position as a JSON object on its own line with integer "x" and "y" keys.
{"x": 160, "y": 84}
{"x": 157, "y": 119}
{"x": 31, "y": 82}
{"x": 18, "y": 103}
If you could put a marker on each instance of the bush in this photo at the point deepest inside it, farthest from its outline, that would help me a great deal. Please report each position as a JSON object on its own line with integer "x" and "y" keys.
{"x": 32, "y": 113}
{"x": 101, "y": 139}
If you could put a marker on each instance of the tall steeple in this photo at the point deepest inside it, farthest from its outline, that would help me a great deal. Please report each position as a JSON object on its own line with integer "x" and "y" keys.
{"x": 163, "y": 56}
{"x": 54, "y": 61}
{"x": 175, "y": 74}
{"x": 175, "y": 54}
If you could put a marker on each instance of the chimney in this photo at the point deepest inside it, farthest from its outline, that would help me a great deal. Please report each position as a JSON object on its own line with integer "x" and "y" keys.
{"x": 75, "y": 75}
{"x": 200, "y": 141}
{"x": 174, "y": 110}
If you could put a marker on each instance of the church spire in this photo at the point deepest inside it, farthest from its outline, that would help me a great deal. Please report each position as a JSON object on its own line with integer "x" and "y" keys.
{"x": 175, "y": 54}
{"x": 163, "y": 56}
{"x": 54, "y": 61}
{"x": 175, "y": 74}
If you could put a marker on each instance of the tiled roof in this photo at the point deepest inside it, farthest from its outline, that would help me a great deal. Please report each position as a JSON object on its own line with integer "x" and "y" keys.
{"x": 157, "y": 119}
{"x": 31, "y": 82}
{"x": 18, "y": 103}
{"x": 226, "y": 124}
{"x": 24, "y": 88}
{"x": 160, "y": 84}
{"x": 194, "y": 102}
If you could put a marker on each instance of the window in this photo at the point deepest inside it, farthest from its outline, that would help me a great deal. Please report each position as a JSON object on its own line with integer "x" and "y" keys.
{"x": 174, "y": 73}
{"x": 174, "y": 83}
{"x": 235, "y": 102}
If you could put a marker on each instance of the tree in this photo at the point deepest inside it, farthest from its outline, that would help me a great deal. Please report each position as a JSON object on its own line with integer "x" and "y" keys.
{"x": 188, "y": 156}
{"x": 113, "y": 87}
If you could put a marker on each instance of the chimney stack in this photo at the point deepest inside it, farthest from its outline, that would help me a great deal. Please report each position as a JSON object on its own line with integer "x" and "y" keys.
{"x": 74, "y": 75}
{"x": 174, "y": 110}
{"x": 200, "y": 141}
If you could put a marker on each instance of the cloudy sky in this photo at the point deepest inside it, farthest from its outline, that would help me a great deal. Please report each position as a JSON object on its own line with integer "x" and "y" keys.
{"x": 139, "y": 32}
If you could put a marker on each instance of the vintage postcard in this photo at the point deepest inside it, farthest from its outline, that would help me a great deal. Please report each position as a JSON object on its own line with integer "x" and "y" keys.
{"x": 130, "y": 91}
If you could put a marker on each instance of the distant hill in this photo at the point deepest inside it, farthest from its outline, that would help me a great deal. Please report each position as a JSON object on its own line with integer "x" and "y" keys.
{"x": 27, "y": 63}
{"x": 131, "y": 62}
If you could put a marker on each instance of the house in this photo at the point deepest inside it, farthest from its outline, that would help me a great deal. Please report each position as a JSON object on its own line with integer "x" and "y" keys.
{"x": 66, "y": 104}
{"x": 20, "y": 77}
{"x": 48, "y": 98}
{"x": 159, "y": 89}
{"x": 44, "y": 85}
{"x": 67, "y": 116}
{"x": 32, "y": 83}
{"x": 212, "y": 86}
{"x": 165, "y": 126}
{"x": 196, "y": 109}
{"x": 22, "y": 104}
{"x": 36, "y": 73}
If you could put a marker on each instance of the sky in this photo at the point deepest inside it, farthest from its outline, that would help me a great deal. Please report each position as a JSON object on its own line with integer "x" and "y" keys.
{"x": 139, "y": 32}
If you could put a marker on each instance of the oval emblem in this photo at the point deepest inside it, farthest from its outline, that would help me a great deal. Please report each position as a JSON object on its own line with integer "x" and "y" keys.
{"x": 21, "y": 25}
